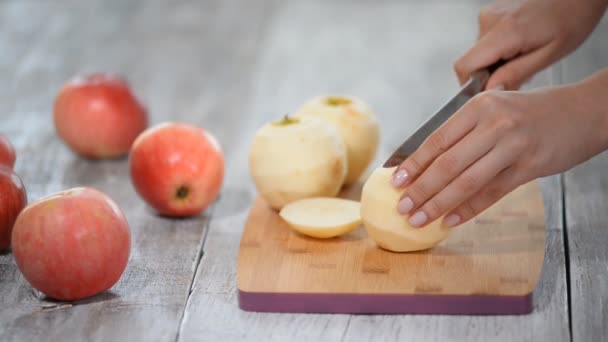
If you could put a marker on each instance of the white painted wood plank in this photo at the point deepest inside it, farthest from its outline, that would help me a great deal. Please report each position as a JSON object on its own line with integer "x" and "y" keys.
{"x": 586, "y": 189}
{"x": 189, "y": 61}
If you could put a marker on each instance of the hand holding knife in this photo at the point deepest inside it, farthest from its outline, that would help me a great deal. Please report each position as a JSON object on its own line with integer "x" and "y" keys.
{"x": 474, "y": 86}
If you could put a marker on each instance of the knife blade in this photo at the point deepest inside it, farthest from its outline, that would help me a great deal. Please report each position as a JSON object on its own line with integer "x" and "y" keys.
{"x": 472, "y": 87}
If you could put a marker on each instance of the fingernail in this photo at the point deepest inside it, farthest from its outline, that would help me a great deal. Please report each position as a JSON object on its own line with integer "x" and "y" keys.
{"x": 451, "y": 220}
{"x": 418, "y": 219}
{"x": 405, "y": 205}
{"x": 399, "y": 178}
{"x": 499, "y": 87}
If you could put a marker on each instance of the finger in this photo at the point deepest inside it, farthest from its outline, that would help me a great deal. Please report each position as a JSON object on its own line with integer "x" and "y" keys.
{"x": 503, "y": 184}
{"x": 497, "y": 44}
{"x": 448, "y": 134}
{"x": 487, "y": 19}
{"x": 465, "y": 185}
{"x": 447, "y": 167}
{"x": 519, "y": 70}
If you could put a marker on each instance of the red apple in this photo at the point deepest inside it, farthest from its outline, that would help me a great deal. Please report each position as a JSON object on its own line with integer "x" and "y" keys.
{"x": 98, "y": 116}
{"x": 13, "y": 199}
{"x": 73, "y": 244}
{"x": 177, "y": 168}
{"x": 7, "y": 152}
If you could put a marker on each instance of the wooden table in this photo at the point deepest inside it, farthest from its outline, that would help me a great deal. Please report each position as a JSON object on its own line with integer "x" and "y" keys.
{"x": 229, "y": 66}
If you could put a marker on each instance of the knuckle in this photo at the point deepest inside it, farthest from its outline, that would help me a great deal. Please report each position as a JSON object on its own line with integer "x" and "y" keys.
{"x": 459, "y": 67}
{"x": 487, "y": 101}
{"x": 448, "y": 164}
{"x": 417, "y": 192}
{"x": 513, "y": 75}
{"x": 468, "y": 183}
{"x": 507, "y": 121}
{"x": 462, "y": 69}
{"x": 466, "y": 210}
{"x": 504, "y": 124}
{"x": 413, "y": 165}
{"x": 438, "y": 142}
{"x": 433, "y": 208}
{"x": 493, "y": 193}
{"x": 520, "y": 143}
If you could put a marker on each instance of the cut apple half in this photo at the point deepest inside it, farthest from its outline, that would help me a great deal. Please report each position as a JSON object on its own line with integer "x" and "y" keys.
{"x": 322, "y": 217}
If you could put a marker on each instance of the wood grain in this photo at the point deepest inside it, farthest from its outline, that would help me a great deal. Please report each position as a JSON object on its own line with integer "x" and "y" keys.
{"x": 231, "y": 65}
{"x": 586, "y": 189}
{"x": 586, "y": 208}
{"x": 498, "y": 254}
{"x": 403, "y": 77}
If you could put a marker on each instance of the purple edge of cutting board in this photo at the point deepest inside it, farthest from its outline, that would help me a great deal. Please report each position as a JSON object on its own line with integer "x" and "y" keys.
{"x": 385, "y": 304}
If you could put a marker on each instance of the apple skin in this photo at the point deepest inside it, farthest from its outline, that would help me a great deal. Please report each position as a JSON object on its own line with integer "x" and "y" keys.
{"x": 98, "y": 116}
{"x": 7, "y": 152}
{"x": 13, "y": 198}
{"x": 177, "y": 168}
{"x": 73, "y": 244}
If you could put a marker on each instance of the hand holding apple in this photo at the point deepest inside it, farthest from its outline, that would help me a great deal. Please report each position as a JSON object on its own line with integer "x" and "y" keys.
{"x": 98, "y": 116}
{"x": 177, "y": 168}
{"x": 7, "y": 152}
{"x": 13, "y": 199}
{"x": 73, "y": 244}
{"x": 390, "y": 229}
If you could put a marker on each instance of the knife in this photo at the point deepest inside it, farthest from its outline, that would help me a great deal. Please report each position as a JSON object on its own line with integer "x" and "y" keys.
{"x": 471, "y": 88}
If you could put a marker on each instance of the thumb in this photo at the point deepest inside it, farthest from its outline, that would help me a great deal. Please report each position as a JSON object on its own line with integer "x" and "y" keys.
{"x": 495, "y": 45}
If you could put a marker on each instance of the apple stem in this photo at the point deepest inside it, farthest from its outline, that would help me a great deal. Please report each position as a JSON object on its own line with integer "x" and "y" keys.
{"x": 182, "y": 192}
{"x": 286, "y": 120}
{"x": 335, "y": 101}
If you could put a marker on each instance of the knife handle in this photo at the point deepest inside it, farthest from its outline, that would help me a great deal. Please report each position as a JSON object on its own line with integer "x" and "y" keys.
{"x": 496, "y": 65}
{"x": 481, "y": 76}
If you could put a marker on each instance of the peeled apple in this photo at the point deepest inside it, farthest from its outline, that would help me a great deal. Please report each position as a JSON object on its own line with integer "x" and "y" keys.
{"x": 383, "y": 223}
{"x": 357, "y": 125}
{"x": 295, "y": 158}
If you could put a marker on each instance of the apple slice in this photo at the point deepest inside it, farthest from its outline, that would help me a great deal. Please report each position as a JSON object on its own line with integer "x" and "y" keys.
{"x": 322, "y": 217}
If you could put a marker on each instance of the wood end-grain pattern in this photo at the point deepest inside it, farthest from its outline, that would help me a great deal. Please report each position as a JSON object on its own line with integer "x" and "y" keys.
{"x": 499, "y": 254}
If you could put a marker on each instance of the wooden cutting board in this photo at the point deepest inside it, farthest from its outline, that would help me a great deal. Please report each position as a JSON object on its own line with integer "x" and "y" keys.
{"x": 489, "y": 265}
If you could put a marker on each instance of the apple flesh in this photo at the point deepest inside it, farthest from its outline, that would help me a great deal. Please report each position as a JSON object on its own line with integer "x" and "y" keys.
{"x": 177, "y": 168}
{"x": 7, "y": 152}
{"x": 73, "y": 244}
{"x": 357, "y": 125}
{"x": 390, "y": 229}
{"x": 297, "y": 158}
{"x": 98, "y": 116}
{"x": 322, "y": 217}
{"x": 13, "y": 198}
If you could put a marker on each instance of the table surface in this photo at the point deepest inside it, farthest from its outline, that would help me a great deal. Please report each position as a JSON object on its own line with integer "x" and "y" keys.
{"x": 229, "y": 66}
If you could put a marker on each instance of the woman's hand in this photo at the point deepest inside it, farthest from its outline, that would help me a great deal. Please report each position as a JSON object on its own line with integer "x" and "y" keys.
{"x": 531, "y": 34}
{"x": 498, "y": 141}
